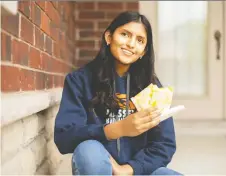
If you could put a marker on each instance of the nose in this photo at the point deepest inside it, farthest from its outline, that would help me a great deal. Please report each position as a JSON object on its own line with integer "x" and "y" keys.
{"x": 131, "y": 42}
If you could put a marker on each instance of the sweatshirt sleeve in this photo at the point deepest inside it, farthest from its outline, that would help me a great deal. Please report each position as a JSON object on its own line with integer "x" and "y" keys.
{"x": 71, "y": 126}
{"x": 160, "y": 148}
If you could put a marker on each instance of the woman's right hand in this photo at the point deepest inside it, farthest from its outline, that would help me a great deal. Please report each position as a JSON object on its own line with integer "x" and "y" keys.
{"x": 139, "y": 122}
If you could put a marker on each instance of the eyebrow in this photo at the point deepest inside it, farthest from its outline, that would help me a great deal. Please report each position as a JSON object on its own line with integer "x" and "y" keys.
{"x": 131, "y": 33}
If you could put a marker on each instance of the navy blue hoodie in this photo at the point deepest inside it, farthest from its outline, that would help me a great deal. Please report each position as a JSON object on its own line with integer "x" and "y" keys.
{"x": 76, "y": 122}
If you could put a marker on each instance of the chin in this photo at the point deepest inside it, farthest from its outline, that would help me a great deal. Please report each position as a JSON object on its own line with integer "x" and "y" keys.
{"x": 126, "y": 61}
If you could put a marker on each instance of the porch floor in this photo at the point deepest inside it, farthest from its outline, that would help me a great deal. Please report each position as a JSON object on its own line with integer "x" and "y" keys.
{"x": 201, "y": 149}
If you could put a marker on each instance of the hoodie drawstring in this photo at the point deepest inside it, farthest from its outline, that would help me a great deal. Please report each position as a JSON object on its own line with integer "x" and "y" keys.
{"x": 127, "y": 103}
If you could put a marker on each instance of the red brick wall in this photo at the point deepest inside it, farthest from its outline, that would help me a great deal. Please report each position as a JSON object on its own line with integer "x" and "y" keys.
{"x": 47, "y": 39}
{"x": 38, "y": 45}
{"x": 91, "y": 19}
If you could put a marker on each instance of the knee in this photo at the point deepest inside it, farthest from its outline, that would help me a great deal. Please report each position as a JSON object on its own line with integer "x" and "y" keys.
{"x": 90, "y": 149}
{"x": 91, "y": 156}
{"x": 165, "y": 171}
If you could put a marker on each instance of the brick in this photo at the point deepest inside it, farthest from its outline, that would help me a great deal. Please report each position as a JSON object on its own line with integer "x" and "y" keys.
{"x": 10, "y": 81}
{"x": 38, "y": 148}
{"x": 48, "y": 45}
{"x": 53, "y": 155}
{"x": 5, "y": 47}
{"x": 57, "y": 81}
{"x": 64, "y": 68}
{"x": 62, "y": 81}
{"x": 85, "y": 43}
{"x": 54, "y": 31}
{"x": 39, "y": 39}
{"x": 57, "y": 66}
{"x": 43, "y": 169}
{"x": 32, "y": 126}
{"x": 20, "y": 53}
{"x": 103, "y": 24}
{"x": 55, "y": 4}
{"x": 82, "y": 62}
{"x": 45, "y": 22}
{"x": 61, "y": 10}
{"x": 74, "y": 61}
{"x": 27, "y": 30}
{"x": 111, "y": 15}
{"x": 62, "y": 54}
{"x": 41, "y": 4}
{"x": 71, "y": 29}
{"x": 109, "y": 5}
{"x": 61, "y": 39}
{"x": 27, "y": 167}
{"x": 63, "y": 26}
{"x": 11, "y": 140}
{"x": 87, "y": 53}
{"x": 46, "y": 61}
{"x": 132, "y": 5}
{"x": 24, "y": 7}
{"x": 35, "y": 60}
{"x": 88, "y": 34}
{"x": 51, "y": 112}
{"x": 68, "y": 10}
{"x": 49, "y": 127}
{"x": 27, "y": 80}
{"x": 56, "y": 50}
{"x": 12, "y": 166}
{"x": 84, "y": 24}
{"x": 85, "y": 5}
{"x": 70, "y": 56}
{"x": 36, "y": 14}
{"x": 19, "y": 164}
{"x": 71, "y": 47}
{"x": 49, "y": 82}
{"x": 40, "y": 82}
{"x": 91, "y": 15}
{"x": 13, "y": 26}
{"x": 61, "y": 36}
{"x": 52, "y": 13}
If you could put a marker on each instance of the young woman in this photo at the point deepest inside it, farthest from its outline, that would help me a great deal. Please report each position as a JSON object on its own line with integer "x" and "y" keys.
{"x": 99, "y": 124}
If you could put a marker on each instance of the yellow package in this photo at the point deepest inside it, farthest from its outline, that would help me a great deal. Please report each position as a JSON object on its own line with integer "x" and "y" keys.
{"x": 152, "y": 96}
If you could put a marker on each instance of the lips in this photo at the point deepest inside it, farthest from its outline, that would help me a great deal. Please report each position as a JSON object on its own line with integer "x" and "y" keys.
{"x": 127, "y": 52}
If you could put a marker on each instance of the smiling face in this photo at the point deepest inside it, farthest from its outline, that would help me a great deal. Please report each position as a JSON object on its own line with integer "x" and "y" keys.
{"x": 127, "y": 43}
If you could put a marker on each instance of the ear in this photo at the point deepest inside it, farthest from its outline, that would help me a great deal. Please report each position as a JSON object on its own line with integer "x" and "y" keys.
{"x": 144, "y": 52}
{"x": 107, "y": 36}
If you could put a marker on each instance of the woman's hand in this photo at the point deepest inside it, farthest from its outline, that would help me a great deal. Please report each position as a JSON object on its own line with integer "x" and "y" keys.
{"x": 120, "y": 169}
{"x": 115, "y": 166}
{"x": 139, "y": 122}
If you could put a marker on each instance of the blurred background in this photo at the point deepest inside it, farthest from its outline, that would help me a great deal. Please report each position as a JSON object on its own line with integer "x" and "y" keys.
{"x": 41, "y": 41}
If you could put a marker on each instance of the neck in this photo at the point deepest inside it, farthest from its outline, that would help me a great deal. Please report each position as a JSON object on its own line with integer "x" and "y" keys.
{"x": 121, "y": 69}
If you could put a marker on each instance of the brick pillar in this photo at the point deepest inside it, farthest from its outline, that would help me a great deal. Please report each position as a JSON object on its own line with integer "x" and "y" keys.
{"x": 91, "y": 19}
{"x": 37, "y": 46}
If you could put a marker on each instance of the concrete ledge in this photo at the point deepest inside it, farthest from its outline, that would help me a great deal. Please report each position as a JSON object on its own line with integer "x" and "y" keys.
{"x": 15, "y": 106}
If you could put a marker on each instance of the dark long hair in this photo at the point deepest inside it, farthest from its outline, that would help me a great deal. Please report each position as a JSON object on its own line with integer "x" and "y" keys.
{"x": 142, "y": 72}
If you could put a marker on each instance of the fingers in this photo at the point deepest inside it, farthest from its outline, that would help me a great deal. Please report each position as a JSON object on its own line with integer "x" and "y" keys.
{"x": 150, "y": 117}
{"x": 146, "y": 112}
{"x": 150, "y": 124}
